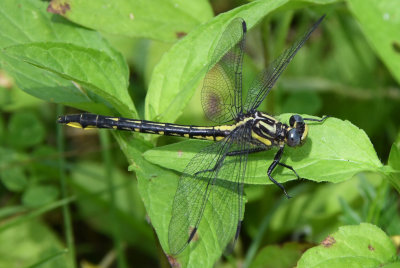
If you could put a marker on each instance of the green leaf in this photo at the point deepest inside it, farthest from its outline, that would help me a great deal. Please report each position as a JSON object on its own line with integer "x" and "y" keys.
{"x": 381, "y": 25}
{"x": 321, "y": 2}
{"x": 394, "y": 156}
{"x": 335, "y": 151}
{"x": 363, "y": 245}
{"x": 392, "y": 265}
{"x": 179, "y": 72}
{"x": 282, "y": 256}
{"x": 302, "y": 103}
{"x": 88, "y": 181}
{"x": 91, "y": 68}
{"x": 48, "y": 166}
{"x": 2, "y": 131}
{"x": 157, "y": 188}
{"x": 316, "y": 207}
{"x": 393, "y": 168}
{"x": 14, "y": 178}
{"x": 29, "y": 243}
{"x": 15, "y": 99}
{"x": 156, "y": 19}
{"x": 37, "y": 196}
{"x": 12, "y": 174}
{"x": 25, "y": 130}
{"x": 27, "y": 21}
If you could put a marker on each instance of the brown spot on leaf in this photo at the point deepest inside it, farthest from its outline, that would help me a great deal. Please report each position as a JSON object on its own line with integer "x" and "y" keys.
{"x": 328, "y": 241}
{"x": 58, "y": 7}
{"x": 180, "y": 34}
{"x": 371, "y": 248}
{"x": 396, "y": 46}
{"x": 134, "y": 165}
{"x": 173, "y": 261}
{"x": 180, "y": 153}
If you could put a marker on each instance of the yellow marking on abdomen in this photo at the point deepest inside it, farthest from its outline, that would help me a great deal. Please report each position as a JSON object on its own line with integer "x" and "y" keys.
{"x": 133, "y": 121}
{"x": 74, "y": 124}
{"x": 226, "y": 127}
{"x": 89, "y": 127}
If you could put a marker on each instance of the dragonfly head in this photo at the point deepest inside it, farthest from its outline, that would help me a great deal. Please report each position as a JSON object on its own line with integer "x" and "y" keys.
{"x": 297, "y": 133}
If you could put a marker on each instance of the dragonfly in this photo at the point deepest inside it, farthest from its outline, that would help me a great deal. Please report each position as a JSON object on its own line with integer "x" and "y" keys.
{"x": 241, "y": 130}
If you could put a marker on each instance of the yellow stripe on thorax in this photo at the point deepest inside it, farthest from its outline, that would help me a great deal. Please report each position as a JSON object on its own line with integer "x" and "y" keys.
{"x": 261, "y": 139}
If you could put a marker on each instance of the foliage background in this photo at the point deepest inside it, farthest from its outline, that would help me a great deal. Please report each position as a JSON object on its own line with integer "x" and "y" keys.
{"x": 66, "y": 195}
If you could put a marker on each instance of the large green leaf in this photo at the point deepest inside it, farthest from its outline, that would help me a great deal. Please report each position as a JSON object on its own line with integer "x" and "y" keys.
{"x": 335, "y": 151}
{"x": 94, "y": 69}
{"x": 26, "y": 22}
{"x": 156, "y": 19}
{"x": 363, "y": 245}
{"x": 381, "y": 25}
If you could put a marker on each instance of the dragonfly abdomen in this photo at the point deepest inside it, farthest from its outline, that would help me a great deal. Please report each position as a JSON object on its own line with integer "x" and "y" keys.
{"x": 99, "y": 121}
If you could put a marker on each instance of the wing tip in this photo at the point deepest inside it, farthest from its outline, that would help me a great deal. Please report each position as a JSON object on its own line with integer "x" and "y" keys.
{"x": 320, "y": 20}
{"x": 192, "y": 234}
{"x": 244, "y": 26}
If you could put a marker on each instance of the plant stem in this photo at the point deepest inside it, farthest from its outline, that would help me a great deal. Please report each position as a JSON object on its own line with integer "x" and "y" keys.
{"x": 69, "y": 237}
{"x": 107, "y": 159}
{"x": 260, "y": 234}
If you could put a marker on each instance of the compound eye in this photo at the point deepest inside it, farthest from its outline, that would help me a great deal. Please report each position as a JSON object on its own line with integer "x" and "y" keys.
{"x": 293, "y": 137}
{"x": 295, "y": 119}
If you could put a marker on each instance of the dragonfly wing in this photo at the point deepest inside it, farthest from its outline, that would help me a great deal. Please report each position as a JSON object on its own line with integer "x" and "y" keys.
{"x": 262, "y": 85}
{"x": 222, "y": 87}
{"x": 212, "y": 184}
{"x": 226, "y": 199}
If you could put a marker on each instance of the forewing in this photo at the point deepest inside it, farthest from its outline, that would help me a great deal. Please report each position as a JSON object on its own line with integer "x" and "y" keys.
{"x": 222, "y": 87}
{"x": 267, "y": 79}
{"x": 216, "y": 189}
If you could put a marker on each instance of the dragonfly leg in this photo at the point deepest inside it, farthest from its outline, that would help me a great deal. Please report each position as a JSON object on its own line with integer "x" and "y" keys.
{"x": 291, "y": 168}
{"x": 317, "y": 120}
{"x": 271, "y": 168}
{"x": 233, "y": 153}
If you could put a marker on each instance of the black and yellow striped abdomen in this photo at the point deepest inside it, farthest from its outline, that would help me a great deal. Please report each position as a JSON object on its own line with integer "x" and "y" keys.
{"x": 99, "y": 121}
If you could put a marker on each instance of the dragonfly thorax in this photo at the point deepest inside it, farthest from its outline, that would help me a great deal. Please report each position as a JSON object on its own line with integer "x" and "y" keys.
{"x": 270, "y": 132}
